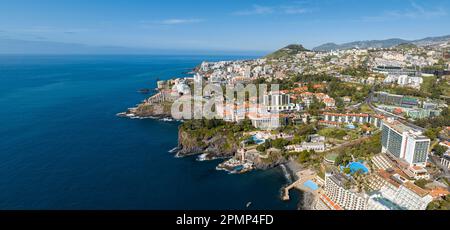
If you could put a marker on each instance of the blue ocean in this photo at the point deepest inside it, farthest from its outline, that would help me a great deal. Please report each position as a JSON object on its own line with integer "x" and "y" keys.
{"x": 63, "y": 148}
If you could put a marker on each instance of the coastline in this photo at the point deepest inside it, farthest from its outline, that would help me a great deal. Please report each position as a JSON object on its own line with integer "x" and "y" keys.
{"x": 289, "y": 168}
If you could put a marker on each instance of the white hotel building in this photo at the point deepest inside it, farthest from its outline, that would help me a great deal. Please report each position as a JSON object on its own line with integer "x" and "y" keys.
{"x": 395, "y": 192}
{"x": 337, "y": 196}
{"x": 405, "y": 143}
{"x": 353, "y": 118}
{"x": 279, "y": 102}
{"x": 390, "y": 191}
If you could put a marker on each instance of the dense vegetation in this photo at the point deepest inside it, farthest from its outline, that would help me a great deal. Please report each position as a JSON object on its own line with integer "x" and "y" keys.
{"x": 443, "y": 204}
{"x": 287, "y": 51}
{"x": 362, "y": 151}
{"x": 202, "y": 130}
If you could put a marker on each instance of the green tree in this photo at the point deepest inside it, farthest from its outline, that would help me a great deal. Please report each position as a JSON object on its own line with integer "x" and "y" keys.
{"x": 431, "y": 133}
{"x": 442, "y": 204}
{"x": 421, "y": 183}
{"x": 440, "y": 150}
{"x": 280, "y": 143}
{"x": 347, "y": 170}
{"x": 304, "y": 156}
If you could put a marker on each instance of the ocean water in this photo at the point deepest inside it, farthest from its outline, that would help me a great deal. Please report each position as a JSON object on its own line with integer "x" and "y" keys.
{"x": 62, "y": 147}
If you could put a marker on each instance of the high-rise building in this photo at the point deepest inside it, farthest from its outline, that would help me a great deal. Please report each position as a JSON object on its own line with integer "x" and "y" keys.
{"x": 404, "y": 142}
{"x": 279, "y": 102}
{"x": 337, "y": 192}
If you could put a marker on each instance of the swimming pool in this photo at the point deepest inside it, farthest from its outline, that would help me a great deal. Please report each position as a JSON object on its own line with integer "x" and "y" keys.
{"x": 357, "y": 166}
{"x": 311, "y": 185}
{"x": 257, "y": 140}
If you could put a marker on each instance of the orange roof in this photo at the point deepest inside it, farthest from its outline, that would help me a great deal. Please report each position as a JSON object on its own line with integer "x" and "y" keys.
{"x": 328, "y": 201}
{"x": 387, "y": 176}
{"x": 439, "y": 192}
{"x": 346, "y": 115}
{"x": 416, "y": 189}
{"x": 330, "y": 122}
{"x": 307, "y": 93}
{"x": 378, "y": 116}
{"x": 417, "y": 168}
{"x": 300, "y": 89}
{"x": 398, "y": 111}
{"x": 318, "y": 86}
{"x": 321, "y": 95}
{"x": 328, "y": 100}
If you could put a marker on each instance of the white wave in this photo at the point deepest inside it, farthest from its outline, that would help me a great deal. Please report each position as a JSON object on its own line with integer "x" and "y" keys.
{"x": 286, "y": 173}
{"x": 173, "y": 150}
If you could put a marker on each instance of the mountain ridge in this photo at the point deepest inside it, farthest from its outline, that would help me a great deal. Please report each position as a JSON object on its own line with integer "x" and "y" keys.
{"x": 386, "y": 43}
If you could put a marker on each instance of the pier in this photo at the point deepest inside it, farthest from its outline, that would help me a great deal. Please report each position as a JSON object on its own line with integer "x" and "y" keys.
{"x": 303, "y": 176}
{"x": 286, "y": 196}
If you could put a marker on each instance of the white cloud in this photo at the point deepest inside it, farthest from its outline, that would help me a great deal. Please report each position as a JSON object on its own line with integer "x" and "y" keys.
{"x": 415, "y": 11}
{"x": 295, "y": 8}
{"x": 177, "y": 21}
{"x": 256, "y": 10}
{"x": 171, "y": 21}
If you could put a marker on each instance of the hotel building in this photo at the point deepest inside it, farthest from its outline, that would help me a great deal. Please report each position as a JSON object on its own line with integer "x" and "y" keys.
{"x": 353, "y": 118}
{"x": 394, "y": 192}
{"x": 336, "y": 196}
{"x": 279, "y": 102}
{"x": 405, "y": 143}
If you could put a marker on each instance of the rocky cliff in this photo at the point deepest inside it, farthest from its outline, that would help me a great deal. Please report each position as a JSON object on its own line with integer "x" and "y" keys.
{"x": 160, "y": 110}
{"x": 217, "y": 146}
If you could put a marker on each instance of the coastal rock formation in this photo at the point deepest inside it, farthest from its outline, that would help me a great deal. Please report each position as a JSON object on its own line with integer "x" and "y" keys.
{"x": 217, "y": 146}
{"x": 272, "y": 162}
{"x": 157, "y": 110}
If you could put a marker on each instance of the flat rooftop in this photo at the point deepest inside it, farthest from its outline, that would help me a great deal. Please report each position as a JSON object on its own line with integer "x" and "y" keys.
{"x": 402, "y": 128}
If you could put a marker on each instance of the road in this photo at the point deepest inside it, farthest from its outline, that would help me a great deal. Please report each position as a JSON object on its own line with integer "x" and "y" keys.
{"x": 388, "y": 114}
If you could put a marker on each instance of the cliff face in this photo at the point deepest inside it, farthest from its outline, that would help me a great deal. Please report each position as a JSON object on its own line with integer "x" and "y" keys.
{"x": 161, "y": 110}
{"x": 218, "y": 146}
{"x": 274, "y": 160}
{"x": 263, "y": 165}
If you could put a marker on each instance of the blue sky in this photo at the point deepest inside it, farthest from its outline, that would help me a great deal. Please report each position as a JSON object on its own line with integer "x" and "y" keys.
{"x": 246, "y": 25}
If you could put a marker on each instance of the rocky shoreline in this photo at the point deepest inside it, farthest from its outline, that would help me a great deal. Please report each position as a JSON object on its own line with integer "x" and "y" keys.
{"x": 217, "y": 146}
{"x": 308, "y": 199}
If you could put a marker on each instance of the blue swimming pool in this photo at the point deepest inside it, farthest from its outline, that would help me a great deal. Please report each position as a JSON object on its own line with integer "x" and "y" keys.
{"x": 257, "y": 140}
{"x": 310, "y": 184}
{"x": 357, "y": 166}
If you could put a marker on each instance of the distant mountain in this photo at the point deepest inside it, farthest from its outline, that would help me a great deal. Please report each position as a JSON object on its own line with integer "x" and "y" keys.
{"x": 389, "y": 43}
{"x": 287, "y": 51}
{"x": 431, "y": 40}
